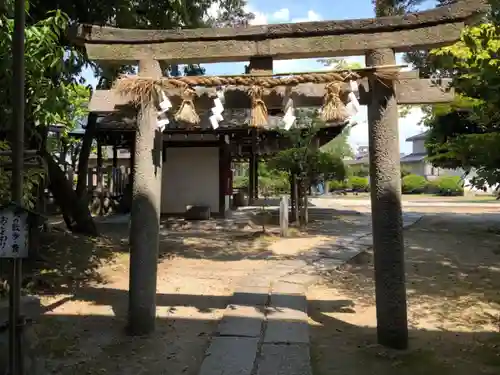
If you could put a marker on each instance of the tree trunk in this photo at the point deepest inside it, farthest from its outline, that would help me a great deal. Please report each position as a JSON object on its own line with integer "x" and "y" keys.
{"x": 83, "y": 160}
{"x": 75, "y": 211}
{"x": 303, "y": 199}
{"x": 293, "y": 197}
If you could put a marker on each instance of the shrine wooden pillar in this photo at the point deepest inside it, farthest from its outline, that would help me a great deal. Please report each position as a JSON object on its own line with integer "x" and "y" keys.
{"x": 115, "y": 157}
{"x": 99, "y": 165}
{"x": 252, "y": 169}
{"x": 100, "y": 178}
{"x": 256, "y": 178}
{"x": 145, "y": 213}
{"x": 225, "y": 180}
{"x": 262, "y": 65}
{"x": 387, "y": 220}
{"x": 132, "y": 159}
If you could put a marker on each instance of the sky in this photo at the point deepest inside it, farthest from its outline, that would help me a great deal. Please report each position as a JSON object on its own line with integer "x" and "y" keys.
{"x": 285, "y": 11}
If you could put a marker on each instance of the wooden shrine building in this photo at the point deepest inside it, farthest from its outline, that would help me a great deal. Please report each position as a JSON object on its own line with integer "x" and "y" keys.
{"x": 382, "y": 87}
{"x": 197, "y": 161}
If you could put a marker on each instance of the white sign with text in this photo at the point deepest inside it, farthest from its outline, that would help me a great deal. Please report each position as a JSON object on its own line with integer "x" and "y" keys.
{"x": 13, "y": 234}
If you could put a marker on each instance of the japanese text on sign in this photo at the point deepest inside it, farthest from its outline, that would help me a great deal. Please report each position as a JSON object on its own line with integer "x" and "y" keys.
{"x": 13, "y": 234}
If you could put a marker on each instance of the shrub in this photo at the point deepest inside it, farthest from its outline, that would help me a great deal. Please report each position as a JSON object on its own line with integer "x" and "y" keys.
{"x": 413, "y": 184}
{"x": 447, "y": 185}
{"x": 240, "y": 182}
{"x": 405, "y": 171}
{"x": 358, "y": 183}
{"x": 359, "y": 170}
{"x": 336, "y": 185}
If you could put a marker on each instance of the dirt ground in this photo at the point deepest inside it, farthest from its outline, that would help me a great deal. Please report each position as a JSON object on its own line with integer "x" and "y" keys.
{"x": 82, "y": 331}
{"x": 453, "y": 281}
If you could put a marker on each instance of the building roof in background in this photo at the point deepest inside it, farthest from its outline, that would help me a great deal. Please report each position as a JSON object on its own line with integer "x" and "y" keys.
{"x": 417, "y": 137}
{"x": 419, "y": 156}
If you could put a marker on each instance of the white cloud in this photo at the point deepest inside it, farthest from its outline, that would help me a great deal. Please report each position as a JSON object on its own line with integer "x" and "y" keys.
{"x": 281, "y": 15}
{"x": 311, "y": 16}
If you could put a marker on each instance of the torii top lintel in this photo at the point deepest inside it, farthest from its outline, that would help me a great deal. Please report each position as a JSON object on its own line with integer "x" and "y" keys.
{"x": 423, "y": 30}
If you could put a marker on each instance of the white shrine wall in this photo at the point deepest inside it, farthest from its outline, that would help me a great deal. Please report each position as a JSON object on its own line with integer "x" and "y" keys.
{"x": 190, "y": 176}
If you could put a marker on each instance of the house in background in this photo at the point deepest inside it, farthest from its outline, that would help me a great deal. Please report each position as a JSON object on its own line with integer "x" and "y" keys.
{"x": 417, "y": 164}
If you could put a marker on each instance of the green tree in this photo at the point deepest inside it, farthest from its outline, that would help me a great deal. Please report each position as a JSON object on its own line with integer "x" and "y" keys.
{"x": 304, "y": 160}
{"x": 54, "y": 65}
{"x": 53, "y": 96}
{"x": 339, "y": 146}
{"x": 466, "y": 133}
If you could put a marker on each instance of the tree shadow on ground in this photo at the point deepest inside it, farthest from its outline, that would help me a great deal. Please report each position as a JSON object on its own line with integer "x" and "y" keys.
{"x": 445, "y": 256}
{"x": 96, "y": 344}
{"x": 215, "y": 239}
{"x": 341, "y": 347}
{"x": 64, "y": 259}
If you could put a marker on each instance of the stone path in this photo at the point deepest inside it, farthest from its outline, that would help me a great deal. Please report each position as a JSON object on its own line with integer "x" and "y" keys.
{"x": 264, "y": 330}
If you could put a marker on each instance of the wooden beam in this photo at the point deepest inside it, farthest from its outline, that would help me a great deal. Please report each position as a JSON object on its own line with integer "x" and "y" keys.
{"x": 408, "y": 91}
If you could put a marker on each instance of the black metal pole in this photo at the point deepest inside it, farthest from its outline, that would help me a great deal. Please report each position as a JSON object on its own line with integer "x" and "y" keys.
{"x": 17, "y": 145}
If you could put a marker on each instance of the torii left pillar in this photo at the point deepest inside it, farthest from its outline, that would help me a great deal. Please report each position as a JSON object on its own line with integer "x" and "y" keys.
{"x": 145, "y": 214}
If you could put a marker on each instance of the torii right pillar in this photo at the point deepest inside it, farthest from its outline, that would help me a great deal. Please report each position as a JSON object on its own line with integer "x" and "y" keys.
{"x": 387, "y": 217}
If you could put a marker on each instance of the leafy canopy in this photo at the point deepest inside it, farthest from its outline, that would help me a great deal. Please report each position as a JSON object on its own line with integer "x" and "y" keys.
{"x": 466, "y": 133}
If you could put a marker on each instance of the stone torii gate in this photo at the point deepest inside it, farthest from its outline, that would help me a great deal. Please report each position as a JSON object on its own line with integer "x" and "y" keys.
{"x": 377, "y": 39}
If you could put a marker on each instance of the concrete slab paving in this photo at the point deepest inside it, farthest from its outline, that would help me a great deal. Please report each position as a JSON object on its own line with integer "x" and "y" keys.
{"x": 300, "y": 278}
{"x": 242, "y": 321}
{"x": 279, "y": 331}
{"x": 250, "y": 296}
{"x": 285, "y": 301}
{"x": 287, "y": 288}
{"x": 284, "y": 360}
{"x": 230, "y": 355}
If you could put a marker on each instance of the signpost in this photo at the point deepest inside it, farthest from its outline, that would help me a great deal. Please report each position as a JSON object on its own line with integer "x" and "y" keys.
{"x": 17, "y": 226}
{"x": 13, "y": 232}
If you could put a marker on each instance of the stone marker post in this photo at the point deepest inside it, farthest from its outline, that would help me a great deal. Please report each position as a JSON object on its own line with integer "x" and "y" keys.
{"x": 284, "y": 216}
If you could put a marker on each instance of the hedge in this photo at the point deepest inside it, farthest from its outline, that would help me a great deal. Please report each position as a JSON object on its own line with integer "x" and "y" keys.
{"x": 447, "y": 185}
{"x": 358, "y": 183}
{"x": 413, "y": 184}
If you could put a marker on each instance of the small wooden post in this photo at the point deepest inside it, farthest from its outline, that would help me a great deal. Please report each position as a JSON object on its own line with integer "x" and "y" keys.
{"x": 284, "y": 216}
{"x": 387, "y": 220}
{"x": 145, "y": 215}
{"x": 115, "y": 157}
{"x": 251, "y": 172}
{"x": 262, "y": 65}
{"x": 100, "y": 179}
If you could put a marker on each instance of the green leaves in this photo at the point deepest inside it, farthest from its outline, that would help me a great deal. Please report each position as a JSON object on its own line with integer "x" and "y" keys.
{"x": 53, "y": 95}
{"x": 303, "y": 159}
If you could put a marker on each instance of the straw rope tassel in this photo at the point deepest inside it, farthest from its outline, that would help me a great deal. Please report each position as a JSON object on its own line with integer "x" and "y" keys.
{"x": 187, "y": 112}
{"x": 333, "y": 109}
{"x": 259, "y": 110}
